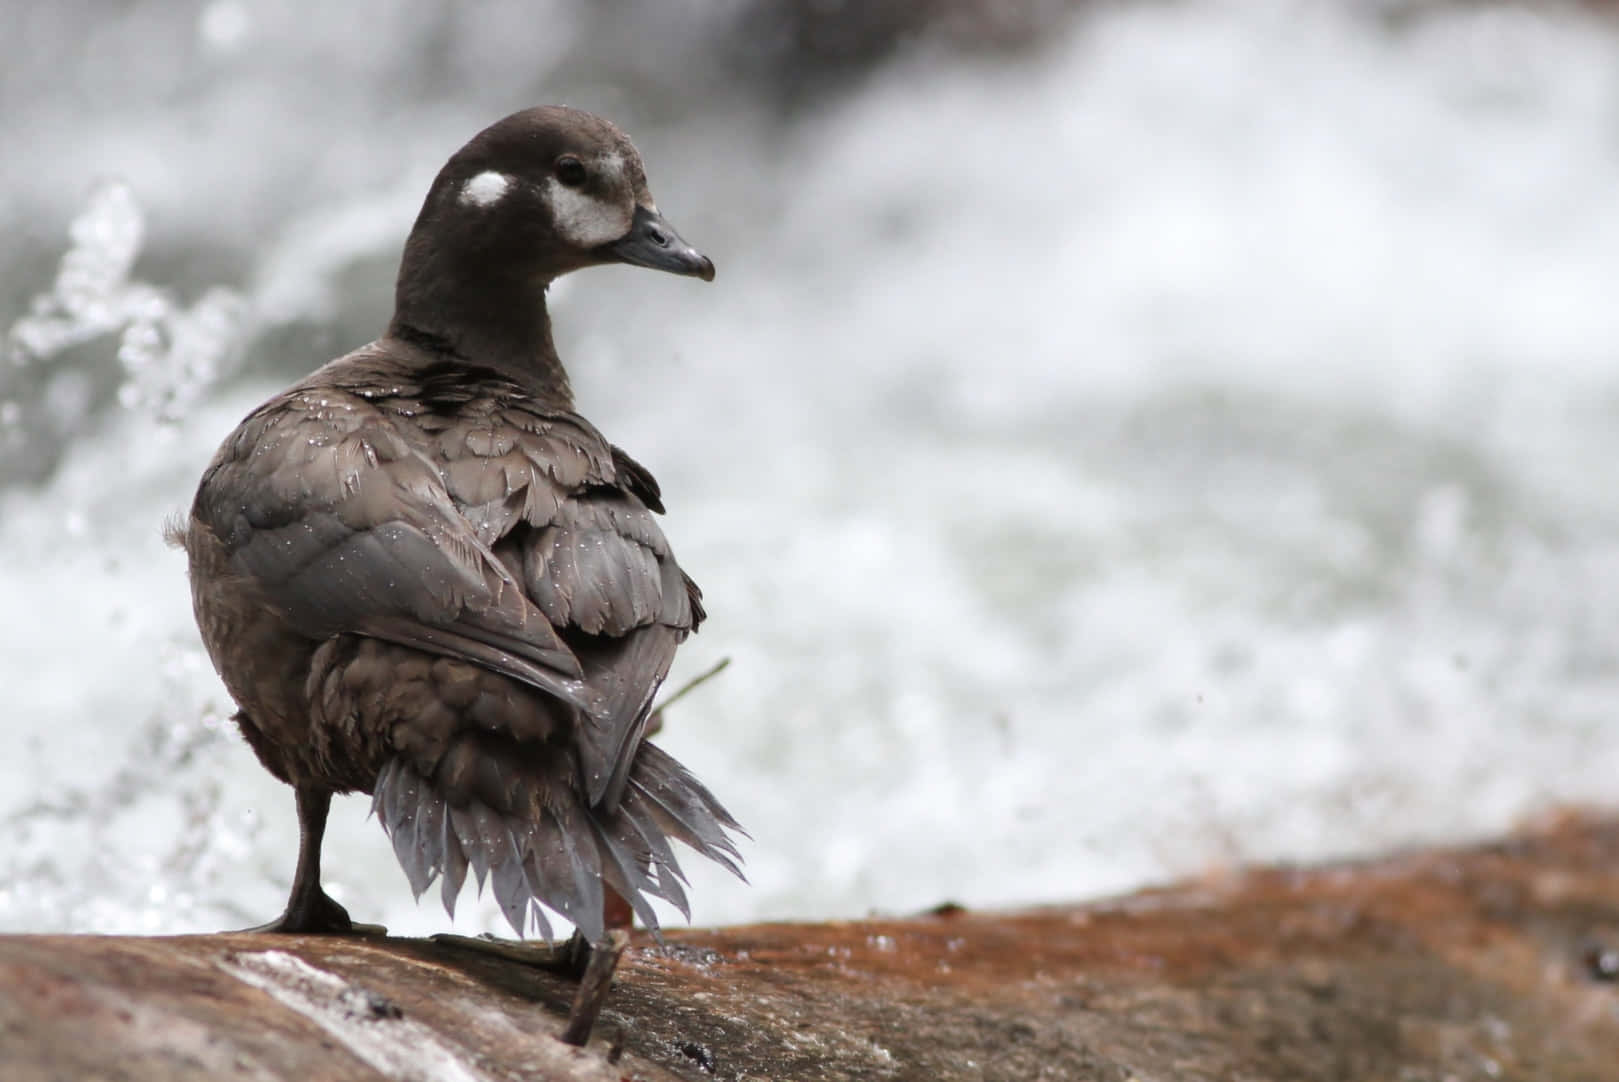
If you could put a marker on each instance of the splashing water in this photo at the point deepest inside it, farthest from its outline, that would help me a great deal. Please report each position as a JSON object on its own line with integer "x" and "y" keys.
{"x": 168, "y": 355}
{"x": 1185, "y": 445}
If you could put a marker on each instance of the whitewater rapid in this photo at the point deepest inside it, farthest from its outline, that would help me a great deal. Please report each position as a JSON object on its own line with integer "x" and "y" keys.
{"x": 1188, "y": 445}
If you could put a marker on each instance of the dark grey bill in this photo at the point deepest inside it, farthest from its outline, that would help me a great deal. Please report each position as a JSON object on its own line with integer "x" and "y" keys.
{"x": 653, "y": 242}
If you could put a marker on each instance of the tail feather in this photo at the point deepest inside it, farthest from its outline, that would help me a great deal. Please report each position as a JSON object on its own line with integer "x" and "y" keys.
{"x": 530, "y": 833}
{"x": 453, "y": 862}
{"x": 510, "y": 881}
{"x": 398, "y": 817}
{"x": 584, "y": 867}
{"x": 675, "y": 828}
{"x": 654, "y": 850}
{"x": 685, "y": 808}
{"x": 426, "y": 859}
{"x": 544, "y": 855}
{"x": 624, "y": 874}
{"x": 531, "y": 872}
{"x": 413, "y": 824}
{"x": 559, "y": 873}
{"x": 656, "y": 871}
{"x": 473, "y": 827}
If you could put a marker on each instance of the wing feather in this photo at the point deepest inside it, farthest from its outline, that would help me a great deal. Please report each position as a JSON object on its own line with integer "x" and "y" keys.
{"x": 344, "y": 527}
{"x": 495, "y": 532}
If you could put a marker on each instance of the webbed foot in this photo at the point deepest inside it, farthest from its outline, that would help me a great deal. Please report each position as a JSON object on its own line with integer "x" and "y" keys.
{"x": 314, "y": 913}
{"x": 570, "y": 958}
{"x": 591, "y": 964}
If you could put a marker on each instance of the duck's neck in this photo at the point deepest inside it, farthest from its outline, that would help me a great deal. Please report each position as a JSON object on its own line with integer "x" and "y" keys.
{"x": 481, "y": 318}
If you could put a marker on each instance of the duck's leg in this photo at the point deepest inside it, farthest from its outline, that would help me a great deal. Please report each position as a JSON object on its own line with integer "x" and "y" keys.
{"x": 309, "y": 909}
{"x": 594, "y": 984}
{"x": 568, "y": 958}
{"x": 591, "y": 964}
{"x": 571, "y": 957}
{"x": 616, "y": 911}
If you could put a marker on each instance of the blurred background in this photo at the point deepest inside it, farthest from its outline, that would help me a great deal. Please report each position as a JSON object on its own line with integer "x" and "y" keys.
{"x": 1123, "y": 440}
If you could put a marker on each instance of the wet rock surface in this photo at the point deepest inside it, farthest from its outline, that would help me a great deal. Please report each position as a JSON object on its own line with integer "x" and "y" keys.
{"x": 1477, "y": 963}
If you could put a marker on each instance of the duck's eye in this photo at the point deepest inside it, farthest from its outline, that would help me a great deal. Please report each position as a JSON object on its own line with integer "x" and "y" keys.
{"x": 570, "y": 171}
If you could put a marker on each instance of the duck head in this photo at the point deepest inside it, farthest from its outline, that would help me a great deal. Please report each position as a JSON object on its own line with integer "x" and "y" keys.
{"x": 532, "y": 197}
{"x": 547, "y": 191}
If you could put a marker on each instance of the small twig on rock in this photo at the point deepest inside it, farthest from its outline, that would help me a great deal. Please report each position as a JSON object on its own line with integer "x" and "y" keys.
{"x": 695, "y": 682}
{"x": 593, "y": 988}
{"x": 654, "y": 723}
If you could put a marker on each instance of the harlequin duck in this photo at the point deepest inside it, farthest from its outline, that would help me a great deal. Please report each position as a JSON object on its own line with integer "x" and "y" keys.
{"x": 424, "y": 576}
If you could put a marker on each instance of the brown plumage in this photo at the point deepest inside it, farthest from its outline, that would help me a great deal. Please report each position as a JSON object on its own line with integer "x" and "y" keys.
{"x": 423, "y": 576}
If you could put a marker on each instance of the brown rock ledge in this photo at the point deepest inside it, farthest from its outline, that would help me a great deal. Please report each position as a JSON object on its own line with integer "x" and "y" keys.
{"x": 1496, "y": 961}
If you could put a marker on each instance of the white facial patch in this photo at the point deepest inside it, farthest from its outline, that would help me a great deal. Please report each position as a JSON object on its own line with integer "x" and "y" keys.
{"x": 584, "y": 220}
{"x": 485, "y": 189}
